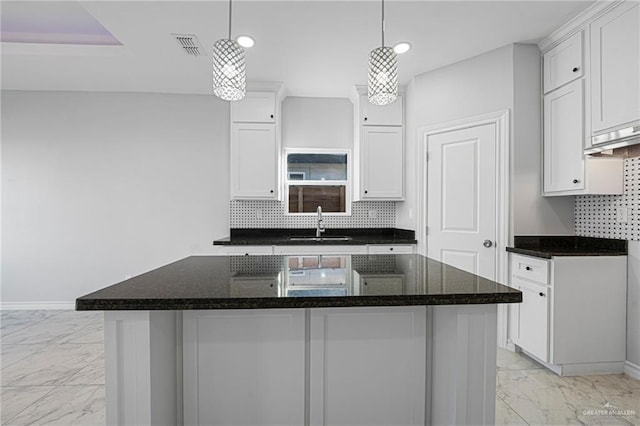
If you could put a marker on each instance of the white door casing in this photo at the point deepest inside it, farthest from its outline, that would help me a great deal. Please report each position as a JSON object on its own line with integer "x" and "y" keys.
{"x": 499, "y": 173}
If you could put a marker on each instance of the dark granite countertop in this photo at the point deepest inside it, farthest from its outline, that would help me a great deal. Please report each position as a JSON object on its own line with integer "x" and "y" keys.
{"x": 257, "y": 282}
{"x": 547, "y": 247}
{"x": 282, "y": 236}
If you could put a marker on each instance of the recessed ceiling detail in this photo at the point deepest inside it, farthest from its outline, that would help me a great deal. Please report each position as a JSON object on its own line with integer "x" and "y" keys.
{"x": 52, "y": 22}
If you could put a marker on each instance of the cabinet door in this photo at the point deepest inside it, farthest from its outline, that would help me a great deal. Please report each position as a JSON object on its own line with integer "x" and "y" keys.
{"x": 244, "y": 367}
{"x": 367, "y": 366}
{"x": 254, "y": 162}
{"x": 382, "y": 163}
{"x": 381, "y": 284}
{"x": 563, "y": 136}
{"x": 256, "y": 107}
{"x": 563, "y": 63}
{"x": 533, "y": 318}
{"x": 381, "y": 115}
{"x": 615, "y": 67}
{"x": 254, "y": 287}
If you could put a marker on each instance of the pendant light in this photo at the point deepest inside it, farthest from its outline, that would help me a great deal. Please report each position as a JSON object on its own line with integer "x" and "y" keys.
{"x": 383, "y": 73}
{"x": 229, "y": 74}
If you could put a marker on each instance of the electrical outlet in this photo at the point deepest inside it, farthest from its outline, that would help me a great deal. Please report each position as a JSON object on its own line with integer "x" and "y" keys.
{"x": 622, "y": 214}
{"x": 258, "y": 214}
{"x": 373, "y": 214}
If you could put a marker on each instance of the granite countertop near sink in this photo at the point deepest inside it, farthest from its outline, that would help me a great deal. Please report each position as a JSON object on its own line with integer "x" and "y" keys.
{"x": 549, "y": 246}
{"x": 262, "y": 282}
{"x": 285, "y": 236}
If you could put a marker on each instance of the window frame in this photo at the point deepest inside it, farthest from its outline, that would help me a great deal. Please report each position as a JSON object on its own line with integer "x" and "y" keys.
{"x": 286, "y": 182}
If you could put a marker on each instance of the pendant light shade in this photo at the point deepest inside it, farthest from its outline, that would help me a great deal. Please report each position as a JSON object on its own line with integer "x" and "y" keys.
{"x": 383, "y": 76}
{"x": 383, "y": 73}
{"x": 229, "y": 74}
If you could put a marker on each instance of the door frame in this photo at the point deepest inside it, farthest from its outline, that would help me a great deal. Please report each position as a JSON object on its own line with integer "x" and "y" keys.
{"x": 503, "y": 197}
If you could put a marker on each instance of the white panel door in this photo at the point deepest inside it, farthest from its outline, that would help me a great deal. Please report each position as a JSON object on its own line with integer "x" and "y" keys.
{"x": 254, "y": 162}
{"x": 382, "y": 163}
{"x": 563, "y": 139}
{"x": 615, "y": 67}
{"x": 368, "y": 366}
{"x": 244, "y": 367}
{"x": 461, "y": 209}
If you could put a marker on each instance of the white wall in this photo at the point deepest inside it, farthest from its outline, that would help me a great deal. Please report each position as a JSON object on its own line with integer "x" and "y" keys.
{"x": 505, "y": 78}
{"x": 97, "y": 186}
{"x": 633, "y": 303}
{"x": 317, "y": 123}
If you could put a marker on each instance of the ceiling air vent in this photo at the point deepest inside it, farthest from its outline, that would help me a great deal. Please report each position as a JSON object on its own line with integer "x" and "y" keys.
{"x": 189, "y": 44}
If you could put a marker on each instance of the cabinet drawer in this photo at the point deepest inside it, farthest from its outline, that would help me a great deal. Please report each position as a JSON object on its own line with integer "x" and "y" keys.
{"x": 395, "y": 249}
{"x": 319, "y": 249}
{"x": 531, "y": 268}
{"x": 246, "y": 250}
{"x": 563, "y": 63}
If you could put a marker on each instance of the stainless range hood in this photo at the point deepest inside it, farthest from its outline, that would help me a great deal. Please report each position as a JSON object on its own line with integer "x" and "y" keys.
{"x": 615, "y": 139}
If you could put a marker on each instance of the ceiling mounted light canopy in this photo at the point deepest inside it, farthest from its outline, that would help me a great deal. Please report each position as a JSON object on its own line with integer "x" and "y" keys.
{"x": 383, "y": 73}
{"x": 402, "y": 47}
{"x": 229, "y": 74}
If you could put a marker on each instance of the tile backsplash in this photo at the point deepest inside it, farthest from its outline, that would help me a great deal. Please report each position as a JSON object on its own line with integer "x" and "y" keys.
{"x": 596, "y": 215}
{"x": 270, "y": 214}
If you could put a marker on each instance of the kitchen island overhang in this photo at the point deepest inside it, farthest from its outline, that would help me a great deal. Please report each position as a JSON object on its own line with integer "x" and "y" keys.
{"x": 304, "y": 358}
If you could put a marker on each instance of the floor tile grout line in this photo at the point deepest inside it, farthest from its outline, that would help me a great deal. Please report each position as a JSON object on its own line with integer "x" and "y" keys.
{"x": 513, "y": 409}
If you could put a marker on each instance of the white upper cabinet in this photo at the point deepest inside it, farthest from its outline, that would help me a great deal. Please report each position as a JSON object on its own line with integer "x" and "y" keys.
{"x": 564, "y": 63}
{"x": 378, "y": 148}
{"x": 255, "y": 145}
{"x": 256, "y": 107}
{"x": 254, "y": 162}
{"x": 382, "y": 163}
{"x": 615, "y": 68}
{"x": 563, "y": 136}
{"x": 386, "y": 115}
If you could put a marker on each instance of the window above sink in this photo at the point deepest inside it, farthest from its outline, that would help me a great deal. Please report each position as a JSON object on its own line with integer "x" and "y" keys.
{"x": 317, "y": 177}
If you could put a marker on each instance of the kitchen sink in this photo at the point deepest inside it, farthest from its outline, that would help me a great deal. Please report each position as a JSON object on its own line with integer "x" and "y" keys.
{"x": 328, "y": 238}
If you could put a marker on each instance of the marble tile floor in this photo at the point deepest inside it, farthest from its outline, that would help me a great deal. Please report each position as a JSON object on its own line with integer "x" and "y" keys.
{"x": 52, "y": 372}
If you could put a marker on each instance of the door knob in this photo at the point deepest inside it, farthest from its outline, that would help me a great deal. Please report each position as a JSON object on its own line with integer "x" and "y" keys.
{"x": 487, "y": 243}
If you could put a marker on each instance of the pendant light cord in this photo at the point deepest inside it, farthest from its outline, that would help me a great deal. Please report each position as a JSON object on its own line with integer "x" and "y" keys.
{"x": 229, "y": 19}
{"x": 382, "y": 23}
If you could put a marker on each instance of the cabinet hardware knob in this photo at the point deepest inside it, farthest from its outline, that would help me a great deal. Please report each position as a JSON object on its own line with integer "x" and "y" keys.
{"x": 528, "y": 268}
{"x": 541, "y": 294}
{"x": 246, "y": 254}
{"x": 366, "y": 283}
{"x": 271, "y": 116}
{"x": 391, "y": 249}
{"x": 366, "y": 192}
{"x": 576, "y": 69}
{"x": 271, "y": 191}
{"x": 365, "y": 119}
{"x": 576, "y": 181}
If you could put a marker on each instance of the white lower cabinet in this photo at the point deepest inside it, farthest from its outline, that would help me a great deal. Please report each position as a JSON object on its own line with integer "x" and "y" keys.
{"x": 244, "y": 367}
{"x": 229, "y": 250}
{"x": 573, "y": 312}
{"x": 533, "y": 318}
{"x": 367, "y": 366}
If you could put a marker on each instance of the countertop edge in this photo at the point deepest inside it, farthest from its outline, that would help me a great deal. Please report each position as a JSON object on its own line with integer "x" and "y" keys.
{"x": 294, "y": 303}
{"x": 544, "y": 253}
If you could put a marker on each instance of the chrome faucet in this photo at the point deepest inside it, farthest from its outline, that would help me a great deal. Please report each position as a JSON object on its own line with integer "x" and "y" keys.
{"x": 320, "y": 225}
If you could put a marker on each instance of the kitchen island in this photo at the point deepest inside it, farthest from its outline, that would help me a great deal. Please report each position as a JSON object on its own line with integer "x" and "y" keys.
{"x": 293, "y": 340}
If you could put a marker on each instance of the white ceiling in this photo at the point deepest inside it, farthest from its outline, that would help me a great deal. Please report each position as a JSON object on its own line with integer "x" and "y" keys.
{"x": 316, "y": 48}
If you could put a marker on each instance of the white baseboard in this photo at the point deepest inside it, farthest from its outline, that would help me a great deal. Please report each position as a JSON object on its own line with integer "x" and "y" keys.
{"x": 632, "y": 370}
{"x": 33, "y": 306}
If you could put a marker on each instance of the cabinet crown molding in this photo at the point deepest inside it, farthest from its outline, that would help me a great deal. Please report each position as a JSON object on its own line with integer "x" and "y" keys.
{"x": 577, "y": 23}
